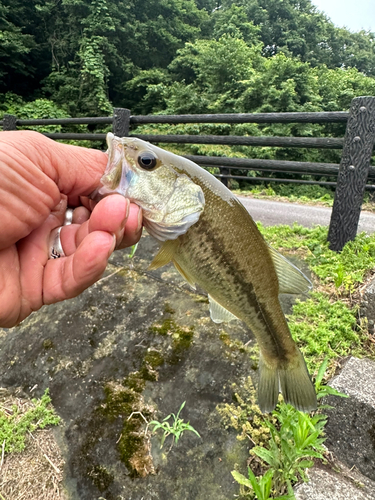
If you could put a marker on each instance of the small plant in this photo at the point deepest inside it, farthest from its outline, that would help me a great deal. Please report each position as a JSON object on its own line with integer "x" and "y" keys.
{"x": 133, "y": 250}
{"x": 177, "y": 428}
{"x": 325, "y": 390}
{"x": 15, "y": 425}
{"x": 261, "y": 485}
{"x": 295, "y": 440}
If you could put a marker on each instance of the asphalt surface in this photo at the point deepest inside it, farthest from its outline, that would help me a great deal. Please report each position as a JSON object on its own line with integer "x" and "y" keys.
{"x": 271, "y": 213}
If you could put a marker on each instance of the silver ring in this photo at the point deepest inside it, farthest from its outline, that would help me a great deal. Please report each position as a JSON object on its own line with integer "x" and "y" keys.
{"x": 68, "y": 216}
{"x": 55, "y": 248}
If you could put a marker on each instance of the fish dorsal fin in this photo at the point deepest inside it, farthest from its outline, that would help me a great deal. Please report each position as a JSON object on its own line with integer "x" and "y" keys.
{"x": 291, "y": 279}
{"x": 218, "y": 313}
{"x": 185, "y": 275}
{"x": 164, "y": 255}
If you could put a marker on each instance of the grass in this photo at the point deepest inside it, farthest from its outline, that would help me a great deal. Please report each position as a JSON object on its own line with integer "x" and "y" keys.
{"x": 15, "y": 424}
{"x": 177, "y": 428}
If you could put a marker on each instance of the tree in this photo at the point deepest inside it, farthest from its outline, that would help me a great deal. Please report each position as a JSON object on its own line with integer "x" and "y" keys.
{"x": 15, "y": 45}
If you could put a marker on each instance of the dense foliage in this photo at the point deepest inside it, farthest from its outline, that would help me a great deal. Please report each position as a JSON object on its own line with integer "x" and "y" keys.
{"x": 180, "y": 56}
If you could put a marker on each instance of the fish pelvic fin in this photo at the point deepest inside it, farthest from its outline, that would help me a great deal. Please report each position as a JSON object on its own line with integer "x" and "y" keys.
{"x": 292, "y": 379}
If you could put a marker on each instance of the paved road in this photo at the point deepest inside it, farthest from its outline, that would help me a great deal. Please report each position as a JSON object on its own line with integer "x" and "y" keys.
{"x": 271, "y": 213}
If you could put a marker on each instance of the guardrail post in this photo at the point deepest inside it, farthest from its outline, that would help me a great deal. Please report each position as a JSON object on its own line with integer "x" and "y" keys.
{"x": 121, "y": 122}
{"x": 354, "y": 166}
{"x": 224, "y": 171}
{"x": 9, "y": 122}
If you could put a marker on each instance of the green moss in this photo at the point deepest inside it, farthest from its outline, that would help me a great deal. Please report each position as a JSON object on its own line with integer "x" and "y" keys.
{"x": 135, "y": 381}
{"x": 324, "y": 328}
{"x": 153, "y": 358}
{"x": 168, "y": 309}
{"x": 164, "y": 328}
{"x": 48, "y": 344}
{"x": 182, "y": 337}
{"x": 125, "y": 401}
{"x": 101, "y": 478}
{"x": 119, "y": 401}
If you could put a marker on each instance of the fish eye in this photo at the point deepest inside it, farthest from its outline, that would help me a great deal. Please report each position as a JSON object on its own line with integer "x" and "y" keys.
{"x": 147, "y": 160}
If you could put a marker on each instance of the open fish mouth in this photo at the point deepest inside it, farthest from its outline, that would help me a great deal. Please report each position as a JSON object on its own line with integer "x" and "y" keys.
{"x": 118, "y": 174}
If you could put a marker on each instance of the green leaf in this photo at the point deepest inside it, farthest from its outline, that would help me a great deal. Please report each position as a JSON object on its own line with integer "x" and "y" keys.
{"x": 241, "y": 479}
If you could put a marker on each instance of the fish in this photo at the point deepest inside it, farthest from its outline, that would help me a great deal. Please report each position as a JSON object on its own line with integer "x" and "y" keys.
{"x": 213, "y": 242}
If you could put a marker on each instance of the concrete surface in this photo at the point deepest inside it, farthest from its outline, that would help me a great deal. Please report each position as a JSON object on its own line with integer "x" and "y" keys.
{"x": 271, "y": 213}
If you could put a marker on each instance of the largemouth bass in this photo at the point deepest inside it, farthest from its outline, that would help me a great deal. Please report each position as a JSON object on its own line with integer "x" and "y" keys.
{"x": 213, "y": 241}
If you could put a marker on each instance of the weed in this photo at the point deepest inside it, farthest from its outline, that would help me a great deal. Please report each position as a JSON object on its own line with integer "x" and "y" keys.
{"x": 325, "y": 390}
{"x": 261, "y": 485}
{"x": 133, "y": 249}
{"x": 292, "y": 445}
{"x": 15, "y": 425}
{"x": 177, "y": 428}
{"x": 295, "y": 440}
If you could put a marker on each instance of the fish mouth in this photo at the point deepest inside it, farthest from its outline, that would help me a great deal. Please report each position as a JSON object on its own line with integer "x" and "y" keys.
{"x": 117, "y": 175}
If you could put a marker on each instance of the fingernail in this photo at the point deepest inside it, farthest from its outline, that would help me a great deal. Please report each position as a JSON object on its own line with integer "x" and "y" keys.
{"x": 127, "y": 209}
{"x": 113, "y": 246}
{"x": 139, "y": 227}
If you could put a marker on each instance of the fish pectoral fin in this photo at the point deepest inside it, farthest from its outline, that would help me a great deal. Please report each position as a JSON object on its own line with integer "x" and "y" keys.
{"x": 218, "y": 313}
{"x": 291, "y": 279}
{"x": 164, "y": 255}
{"x": 185, "y": 275}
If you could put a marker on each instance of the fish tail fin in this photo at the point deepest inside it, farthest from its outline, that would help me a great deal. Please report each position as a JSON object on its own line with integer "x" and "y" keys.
{"x": 294, "y": 381}
{"x": 268, "y": 388}
{"x": 296, "y": 385}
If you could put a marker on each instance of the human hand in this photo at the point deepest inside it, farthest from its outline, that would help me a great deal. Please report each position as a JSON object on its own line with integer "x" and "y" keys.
{"x": 39, "y": 178}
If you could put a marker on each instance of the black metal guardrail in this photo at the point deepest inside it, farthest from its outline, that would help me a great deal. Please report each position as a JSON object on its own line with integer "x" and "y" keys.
{"x": 354, "y": 173}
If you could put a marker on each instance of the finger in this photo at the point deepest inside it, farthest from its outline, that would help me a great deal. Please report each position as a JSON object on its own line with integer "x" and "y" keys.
{"x": 110, "y": 214}
{"x": 33, "y": 252}
{"x": 10, "y": 290}
{"x": 133, "y": 227}
{"x": 80, "y": 215}
{"x": 67, "y": 277}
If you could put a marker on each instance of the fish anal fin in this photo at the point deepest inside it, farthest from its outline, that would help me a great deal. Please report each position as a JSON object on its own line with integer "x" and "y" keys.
{"x": 164, "y": 255}
{"x": 184, "y": 274}
{"x": 218, "y": 313}
{"x": 291, "y": 279}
